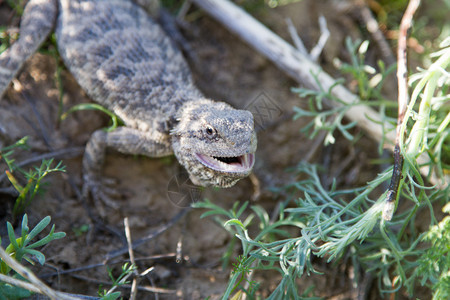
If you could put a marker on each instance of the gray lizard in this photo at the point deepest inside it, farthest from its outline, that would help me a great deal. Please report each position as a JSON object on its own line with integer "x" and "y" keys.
{"x": 124, "y": 61}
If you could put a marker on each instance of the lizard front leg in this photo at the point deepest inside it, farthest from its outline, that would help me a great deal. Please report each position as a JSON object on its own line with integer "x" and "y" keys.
{"x": 37, "y": 22}
{"x": 125, "y": 140}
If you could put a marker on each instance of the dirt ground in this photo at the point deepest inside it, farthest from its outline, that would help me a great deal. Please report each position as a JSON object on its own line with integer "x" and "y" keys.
{"x": 186, "y": 257}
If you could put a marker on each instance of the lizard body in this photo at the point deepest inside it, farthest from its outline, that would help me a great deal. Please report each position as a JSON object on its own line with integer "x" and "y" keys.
{"x": 124, "y": 61}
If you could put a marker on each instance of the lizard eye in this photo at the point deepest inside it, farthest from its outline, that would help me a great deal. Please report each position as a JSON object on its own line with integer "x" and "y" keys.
{"x": 210, "y": 132}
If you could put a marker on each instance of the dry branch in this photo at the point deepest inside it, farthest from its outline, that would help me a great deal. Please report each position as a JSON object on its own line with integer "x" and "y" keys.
{"x": 299, "y": 67}
{"x": 403, "y": 99}
{"x": 296, "y": 64}
{"x": 152, "y": 235}
{"x": 35, "y": 284}
{"x": 131, "y": 254}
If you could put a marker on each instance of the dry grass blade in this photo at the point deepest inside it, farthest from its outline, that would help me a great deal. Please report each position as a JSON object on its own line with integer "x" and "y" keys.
{"x": 131, "y": 254}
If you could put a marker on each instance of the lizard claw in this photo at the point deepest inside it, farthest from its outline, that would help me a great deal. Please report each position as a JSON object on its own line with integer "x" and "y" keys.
{"x": 101, "y": 191}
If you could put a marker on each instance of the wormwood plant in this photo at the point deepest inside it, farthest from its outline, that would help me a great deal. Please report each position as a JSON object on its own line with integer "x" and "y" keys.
{"x": 348, "y": 224}
{"x": 369, "y": 82}
{"x": 127, "y": 270}
{"x": 6, "y": 36}
{"x": 33, "y": 177}
{"x": 23, "y": 248}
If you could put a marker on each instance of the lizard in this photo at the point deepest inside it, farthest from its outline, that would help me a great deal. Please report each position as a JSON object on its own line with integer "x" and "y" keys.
{"x": 125, "y": 61}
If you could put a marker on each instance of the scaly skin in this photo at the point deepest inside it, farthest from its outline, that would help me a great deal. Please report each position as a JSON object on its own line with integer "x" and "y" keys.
{"x": 124, "y": 61}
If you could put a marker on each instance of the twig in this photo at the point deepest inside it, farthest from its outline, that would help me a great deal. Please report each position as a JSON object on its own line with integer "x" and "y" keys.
{"x": 317, "y": 50}
{"x": 62, "y": 153}
{"x": 324, "y": 35}
{"x": 295, "y": 37}
{"x": 315, "y": 145}
{"x": 152, "y": 282}
{"x": 123, "y": 286}
{"x": 391, "y": 195}
{"x": 22, "y": 284}
{"x": 256, "y": 187}
{"x": 129, "y": 243}
{"x": 151, "y": 236}
{"x": 32, "y": 288}
{"x": 179, "y": 250}
{"x": 131, "y": 254}
{"x": 296, "y": 65}
{"x": 120, "y": 283}
{"x": 374, "y": 29}
{"x": 40, "y": 287}
{"x": 9, "y": 191}
{"x": 120, "y": 261}
{"x": 184, "y": 9}
{"x": 403, "y": 99}
{"x": 304, "y": 71}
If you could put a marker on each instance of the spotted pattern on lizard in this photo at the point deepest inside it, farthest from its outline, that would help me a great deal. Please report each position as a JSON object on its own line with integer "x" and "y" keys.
{"x": 124, "y": 60}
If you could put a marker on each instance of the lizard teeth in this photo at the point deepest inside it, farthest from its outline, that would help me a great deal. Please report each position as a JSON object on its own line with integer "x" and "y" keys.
{"x": 233, "y": 164}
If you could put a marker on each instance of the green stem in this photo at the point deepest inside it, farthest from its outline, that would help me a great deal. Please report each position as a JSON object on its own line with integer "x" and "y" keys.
{"x": 417, "y": 135}
{"x": 406, "y": 222}
{"x": 397, "y": 255}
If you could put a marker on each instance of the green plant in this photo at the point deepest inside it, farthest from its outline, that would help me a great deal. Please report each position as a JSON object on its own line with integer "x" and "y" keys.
{"x": 429, "y": 133}
{"x": 434, "y": 264}
{"x": 6, "y": 36}
{"x": 127, "y": 271}
{"x": 23, "y": 248}
{"x": 115, "y": 120}
{"x": 276, "y": 3}
{"x": 17, "y": 5}
{"x": 331, "y": 223}
{"x": 369, "y": 80}
{"x": 369, "y": 83}
{"x": 33, "y": 177}
{"x": 81, "y": 230}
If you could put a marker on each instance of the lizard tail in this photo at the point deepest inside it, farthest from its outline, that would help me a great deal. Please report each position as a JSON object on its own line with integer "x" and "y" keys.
{"x": 37, "y": 22}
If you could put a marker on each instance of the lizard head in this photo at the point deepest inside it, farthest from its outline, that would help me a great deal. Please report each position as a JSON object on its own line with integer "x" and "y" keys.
{"x": 214, "y": 142}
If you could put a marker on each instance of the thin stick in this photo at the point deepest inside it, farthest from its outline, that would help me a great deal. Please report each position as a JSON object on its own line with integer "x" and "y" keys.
{"x": 131, "y": 254}
{"x": 129, "y": 243}
{"x": 317, "y": 50}
{"x": 120, "y": 261}
{"x": 32, "y": 288}
{"x": 40, "y": 287}
{"x": 324, "y": 35}
{"x": 57, "y": 154}
{"x": 149, "y": 237}
{"x": 295, "y": 37}
{"x": 403, "y": 99}
{"x": 16, "y": 282}
{"x": 374, "y": 29}
{"x": 296, "y": 65}
{"x": 123, "y": 286}
{"x": 179, "y": 257}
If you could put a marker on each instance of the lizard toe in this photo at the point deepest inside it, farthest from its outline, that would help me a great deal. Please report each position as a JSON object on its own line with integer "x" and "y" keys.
{"x": 102, "y": 192}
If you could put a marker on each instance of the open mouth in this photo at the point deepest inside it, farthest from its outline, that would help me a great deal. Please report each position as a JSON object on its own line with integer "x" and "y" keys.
{"x": 232, "y": 164}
